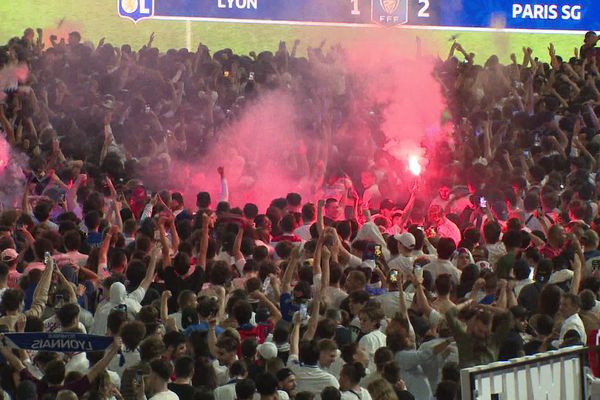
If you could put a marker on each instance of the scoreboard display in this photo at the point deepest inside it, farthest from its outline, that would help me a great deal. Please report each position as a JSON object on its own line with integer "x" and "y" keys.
{"x": 561, "y": 15}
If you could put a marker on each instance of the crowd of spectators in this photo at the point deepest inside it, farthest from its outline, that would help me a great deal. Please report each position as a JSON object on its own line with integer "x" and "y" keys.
{"x": 362, "y": 293}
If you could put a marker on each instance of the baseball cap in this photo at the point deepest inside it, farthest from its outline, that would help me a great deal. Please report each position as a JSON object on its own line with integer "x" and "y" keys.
{"x": 267, "y": 350}
{"x": 9, "y": 255}
{"x": 406, "y": 239}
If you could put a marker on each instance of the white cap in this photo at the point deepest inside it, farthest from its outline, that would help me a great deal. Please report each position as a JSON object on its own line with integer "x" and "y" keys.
{"x": 9, "y": 255}
{"x": 406, "y": 239}
{"x": 267, "y": 350}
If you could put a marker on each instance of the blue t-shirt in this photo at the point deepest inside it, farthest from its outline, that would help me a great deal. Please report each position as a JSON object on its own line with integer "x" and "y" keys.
{"x": 201, "y": 327}
{"x": 94, "y": 239}
{"x": 375, "y": 291}
{"x": 488, "y": 299}
{"x": 288, "y": 307}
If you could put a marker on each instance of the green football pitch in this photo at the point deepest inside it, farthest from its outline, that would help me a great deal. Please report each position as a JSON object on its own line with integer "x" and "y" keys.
{"x": 98, "y": 18}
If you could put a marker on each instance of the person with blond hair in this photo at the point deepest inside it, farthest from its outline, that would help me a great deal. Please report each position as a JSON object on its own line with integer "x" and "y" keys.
{"x": 381, "y": 389}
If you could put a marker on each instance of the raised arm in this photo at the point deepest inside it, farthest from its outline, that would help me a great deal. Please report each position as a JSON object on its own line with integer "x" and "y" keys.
{"x": 25, "y": 205}
{"x": 583, "y": 150}
{"x": 164, "y": 244}
{"x": 71, "y": 195}
{"x": 452, "y": 50}
{"x": 403, "y": 309}
{"x": 487, "y": 140}
{"x": 273, "y": 310}
{"x": 422, "y": 300}
{"x": 150, "y": 272}
{"x": 72, "y": 296}
{"x": 286, "y": 281}
{"x": 164, "y": 311}
{"x": 454, "y": 325}
{"x": 502, "y": 301}
{"x": 40, "y": 295}
{"x": 511, "y": 298}
{"x": 101, "y": 365}
{"x": 6, "y": 126}
{"x": 237, "y": 245}
{"x": 320, "y": 223}
{"x": 9, "y": 356}
{"x": 295, "y": 47}
{"x": 325, "y": 269}
{"x": 295, "y": 336}
{"x": 104, "y": 247}
{"x": 224, "y": 186}
{"x": 410, "y": 205}
{"x": 221, "y": 299}
{"x": 578, "y": 263}
{"x": 212, "y": 337}
{"x": 116, "y": 204}
{"x": 313, "y": 321}
{"x": 316, "y": 264}
{"x": 108, "y": 136}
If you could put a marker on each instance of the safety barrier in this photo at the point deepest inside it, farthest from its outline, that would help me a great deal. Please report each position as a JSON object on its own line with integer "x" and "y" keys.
{"x": 554, "y": 375}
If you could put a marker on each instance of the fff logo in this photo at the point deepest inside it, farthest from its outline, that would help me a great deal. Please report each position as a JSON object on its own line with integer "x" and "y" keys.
{"x": 389, "y": 12}
{"x": 136, "y": 9}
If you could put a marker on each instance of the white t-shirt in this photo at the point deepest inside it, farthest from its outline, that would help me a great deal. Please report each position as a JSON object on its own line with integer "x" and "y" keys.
{"x": 370, "y": 343}
{"x": 363, "y": 394}
{"x": 167, "y": 395}
{"x": 177, "y": 318}
{"x": 130, "y": 359}
{"x": 372, "y": 197}
{"x": 334, "y": 296}
{"x": 310, "y": 378}
{"x": 495, "y": 252}
{"x": 575, "y": 323}
{"x": 390, "y": 302}
{"x": 225, "y": 392}
{"x": 52, "y": 324}
{"x": 402, "y": 263}
{"x": 303, "y": 232}
{"x": 78, "y": 362}
{"x": 132, "y": 301}
{"x": 450, "y": 230}
{"x": 439, "y": 267}
{"x": 336, "y": 366}
{"x": 222, "y": 373}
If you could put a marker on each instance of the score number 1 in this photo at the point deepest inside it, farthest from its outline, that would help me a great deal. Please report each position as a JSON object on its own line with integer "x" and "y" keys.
{"x": 423, "y": 11}
{"x": 355, "y": 8}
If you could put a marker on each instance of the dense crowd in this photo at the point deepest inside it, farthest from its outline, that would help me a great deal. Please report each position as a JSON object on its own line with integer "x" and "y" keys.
{"x": 369, "y": 290}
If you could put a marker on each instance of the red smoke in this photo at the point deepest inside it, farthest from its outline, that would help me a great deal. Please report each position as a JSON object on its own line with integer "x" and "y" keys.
{"x": 61, "y": 30}
{"x": 12, "y": 182}
{"x": 261, "y": 150}
{"x": 258, "y": 152}
{"x": 395, "y": 77}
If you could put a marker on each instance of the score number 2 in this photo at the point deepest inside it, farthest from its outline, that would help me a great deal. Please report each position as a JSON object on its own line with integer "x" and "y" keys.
{"x": 423, "y": 11}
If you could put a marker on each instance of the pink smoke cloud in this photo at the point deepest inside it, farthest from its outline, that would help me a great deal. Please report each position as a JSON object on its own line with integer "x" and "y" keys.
{"x": 261, "y": 152}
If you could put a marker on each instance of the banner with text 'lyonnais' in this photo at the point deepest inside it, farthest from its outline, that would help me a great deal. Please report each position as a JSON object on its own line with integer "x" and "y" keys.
{"x": 63, "y": 342}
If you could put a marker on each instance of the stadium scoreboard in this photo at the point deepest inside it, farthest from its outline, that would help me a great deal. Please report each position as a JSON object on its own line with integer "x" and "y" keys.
{"x": 558, "y": 15}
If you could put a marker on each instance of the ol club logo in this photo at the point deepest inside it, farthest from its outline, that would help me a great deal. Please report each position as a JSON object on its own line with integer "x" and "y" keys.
{"x": 136, "y": 10}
